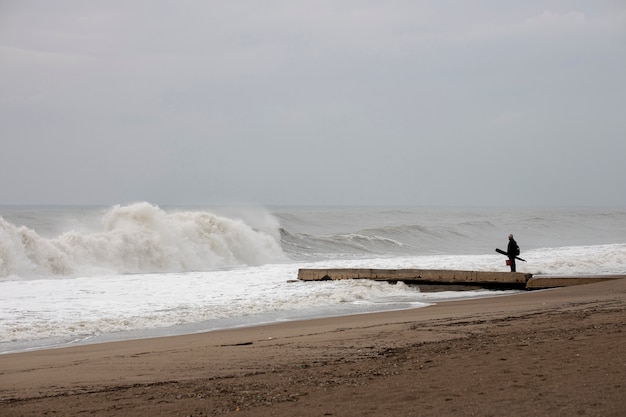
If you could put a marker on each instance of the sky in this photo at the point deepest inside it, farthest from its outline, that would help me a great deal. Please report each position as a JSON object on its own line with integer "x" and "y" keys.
{"x": 424, "y": 103}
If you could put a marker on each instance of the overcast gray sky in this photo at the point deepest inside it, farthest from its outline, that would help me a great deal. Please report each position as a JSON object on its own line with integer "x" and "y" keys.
{"x": 457, "y": 103}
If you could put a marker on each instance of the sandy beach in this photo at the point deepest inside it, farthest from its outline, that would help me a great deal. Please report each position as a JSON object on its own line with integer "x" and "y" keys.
{"x": 554, "y": 352}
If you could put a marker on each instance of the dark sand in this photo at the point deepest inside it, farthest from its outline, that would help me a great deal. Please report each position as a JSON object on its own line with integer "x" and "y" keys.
{"x": 558, "y": 352}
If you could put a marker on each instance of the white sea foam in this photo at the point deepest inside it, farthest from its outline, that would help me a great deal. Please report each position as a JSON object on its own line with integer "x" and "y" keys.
{"x": 78, "y": 308}
{"x": 138, "y": 238}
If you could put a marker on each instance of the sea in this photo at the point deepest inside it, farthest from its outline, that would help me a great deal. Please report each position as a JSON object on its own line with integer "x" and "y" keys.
{"x": 84, "y": 274}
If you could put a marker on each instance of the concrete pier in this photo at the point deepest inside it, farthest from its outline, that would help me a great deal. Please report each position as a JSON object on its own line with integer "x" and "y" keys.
{"x": 424, "y": 276}
{"x": 541, "y": 282}
{"x": 447, "y": 277}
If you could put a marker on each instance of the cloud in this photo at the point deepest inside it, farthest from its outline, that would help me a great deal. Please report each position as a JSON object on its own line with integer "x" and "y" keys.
{"x": 297, "y": 102}
{"x": 547, "y": 24}
{"x": 550, "y": 23}
{"x": 506, "y": 119}
{"x": 20, "y": 56}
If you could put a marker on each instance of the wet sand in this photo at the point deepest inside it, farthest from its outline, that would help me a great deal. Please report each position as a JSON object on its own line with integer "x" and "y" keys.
{"x": 554, "y": 352}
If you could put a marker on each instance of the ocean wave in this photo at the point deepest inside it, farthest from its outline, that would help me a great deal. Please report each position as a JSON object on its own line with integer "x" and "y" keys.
{"x": 392, "y": 240}
{"x": 138, "y": 238}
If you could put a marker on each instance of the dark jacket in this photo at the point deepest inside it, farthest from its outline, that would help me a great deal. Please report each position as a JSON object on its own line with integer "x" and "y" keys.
{"x": 512, "y": 250}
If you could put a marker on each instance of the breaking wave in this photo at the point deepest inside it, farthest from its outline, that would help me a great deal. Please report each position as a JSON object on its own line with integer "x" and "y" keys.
{"x": 138, "y": 238}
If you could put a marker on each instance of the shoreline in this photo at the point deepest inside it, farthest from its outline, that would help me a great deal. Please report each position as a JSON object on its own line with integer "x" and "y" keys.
{"x": 538, "y": 282}
{"x": 268, "y": 318}
{"x": 558, "y": 351}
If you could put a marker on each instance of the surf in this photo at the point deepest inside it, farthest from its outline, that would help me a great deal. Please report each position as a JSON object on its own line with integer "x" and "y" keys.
{"x": 137, "y": 238}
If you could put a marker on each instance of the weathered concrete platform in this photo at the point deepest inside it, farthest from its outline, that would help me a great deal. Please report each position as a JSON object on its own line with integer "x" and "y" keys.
{"x": 442, "y": 276}
{"x": 541, "y": 282}
{"x": 423, "y": 276}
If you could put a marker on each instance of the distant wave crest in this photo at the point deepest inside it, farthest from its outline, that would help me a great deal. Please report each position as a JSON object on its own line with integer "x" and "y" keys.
{"x": 138, "y": 238}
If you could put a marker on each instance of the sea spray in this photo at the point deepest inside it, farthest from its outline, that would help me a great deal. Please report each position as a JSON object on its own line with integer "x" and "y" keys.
{"x": 138, "y": 238}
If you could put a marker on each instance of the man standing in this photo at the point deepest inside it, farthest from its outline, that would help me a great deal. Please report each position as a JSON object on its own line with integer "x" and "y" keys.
{"x": 512, "y": 250}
